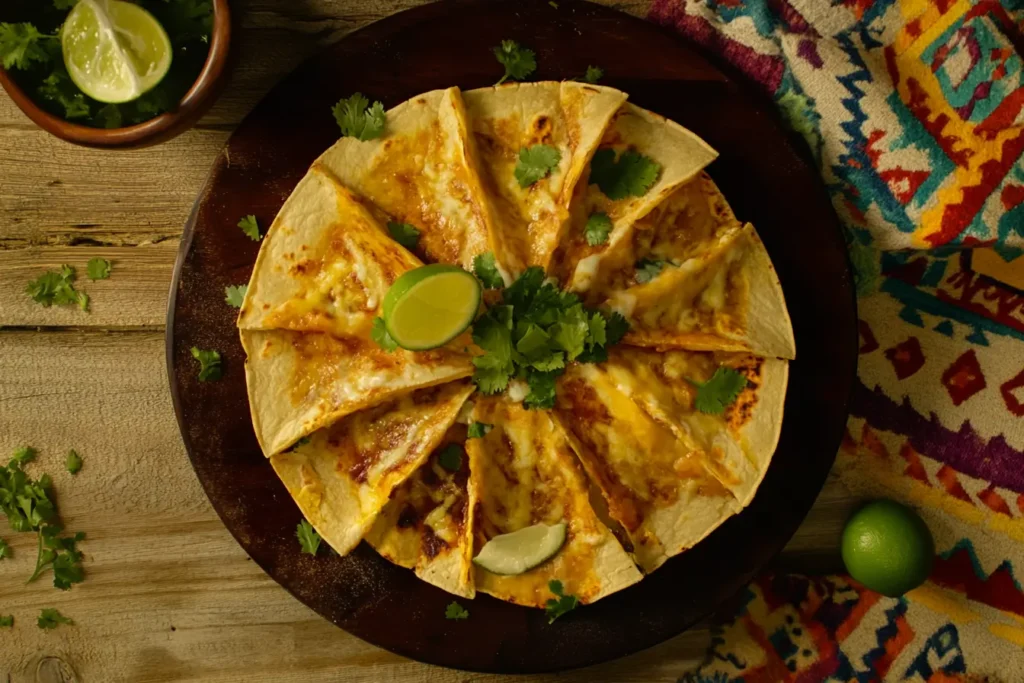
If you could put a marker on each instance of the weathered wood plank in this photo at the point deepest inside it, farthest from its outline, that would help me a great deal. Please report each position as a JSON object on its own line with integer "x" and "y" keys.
{"x": 135, "y": 295}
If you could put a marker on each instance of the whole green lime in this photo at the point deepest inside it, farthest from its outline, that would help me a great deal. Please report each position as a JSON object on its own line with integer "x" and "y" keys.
{"x": 888, "y": 548}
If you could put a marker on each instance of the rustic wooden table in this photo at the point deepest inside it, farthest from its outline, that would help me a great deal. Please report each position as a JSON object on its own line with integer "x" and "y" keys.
{"x": 169, "y": 595}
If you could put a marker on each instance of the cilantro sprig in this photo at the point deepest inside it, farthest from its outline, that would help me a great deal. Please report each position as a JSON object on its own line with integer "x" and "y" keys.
{"x": 234, "y": 295}
{"x": 715, "y": 395}
{"x": 533, "y": 332}
{"x": 536, "y": 162}
{"x": 519, "y": 62}
{"x": 358, "y": 119}
{"x": 50, "y": 618}
{"x": 560, "y": 604}
{"x": 57, "y": 287}
{"x": 598, "y": 227}
{"x": 631, "y": 175}
{"x": 251, "y": 227}
{"x": 210, "y": 368}
{"x": 593, "y": 75}
{"x": 22, "y": 45}
{"x": 6, "y": 621}
{"x": 486, "y": 270}
{"x": 309, "y": 539}
{"x": 456, "y": 612}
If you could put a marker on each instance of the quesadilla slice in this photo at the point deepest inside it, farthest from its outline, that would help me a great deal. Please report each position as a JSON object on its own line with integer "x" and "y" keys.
{"x": 639, "y": 163}
{"x": 525, "y": 473}
{"x": 344, "y": 475}
{"x": 740, "y": 440}
{"x": 300, "y": 382}
{"x": 726, "y": 297}
{"x": 427, "y": 526}
{"x": 421, "y": 173}
{"x": 325, "y": 265}
{"x": 656, "y": 485}
{"x": 534, "y": 141}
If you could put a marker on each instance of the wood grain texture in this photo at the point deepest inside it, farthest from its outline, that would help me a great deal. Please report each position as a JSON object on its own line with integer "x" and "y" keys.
{"x": 170, "y": 596}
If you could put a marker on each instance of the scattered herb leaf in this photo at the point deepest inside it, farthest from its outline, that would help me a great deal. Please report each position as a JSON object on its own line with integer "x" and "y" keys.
{"x": 7, "y": 621}
{"x": 456, "y": 612}
{"x": 632, "y": 175}
{"x": 309, "y": 539}
{"x": 593, "y": 74}
{"x": 358, "y": 119}
{"x": 536, "y": 162}
{"x": 403, "y": 233}
{"x": 718, "y": 392}
{"x": 51, "y": 618}
{"x": 60, "y": 554}
{"x": 519, "y": 62}
{"x": 648, "y": 269}
{"x": 486, "y": 270}
{"x": 599, "y": 225}
{"x": 98, "y": 269}
{"x": 234, "y": 295}
{"x": 250, "y": 227}
{"x": 209, "y": 364}
{"x": 561, "y": 603}
{"x": 57, "y": 288}
{"x": 5, "y": 550}
{"x": 24, "y": 454}
{"x": 450, "y": 457}
{"x": 379, "y": 333}
{"x": 478, "y": 430}
{"x": 73, "y": 462}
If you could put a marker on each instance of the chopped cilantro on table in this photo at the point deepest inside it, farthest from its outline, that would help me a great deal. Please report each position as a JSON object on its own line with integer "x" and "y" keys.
{"x": 250, "y": 227}
{"x": 6, "y": 621}
{"x": 715, "y": 395}
{"x": 486, "y": 270}
{"x": 309, "y": 539}
{"x": 648, "y": 269}
{"x": 24, "y": 454}
{"x": 631, "y": 175}
{"x": 561, "y": 603}
{"x": 478, "y": 430}
{"x": 536, "y": 162}
{"x": 358, "y": 119}
{"x": 598, "y": 227}
{"x": 60, "y": 554}
{"x": 403, "y": 233}
{"x": 57, "y": 287}
{"x": 5, "y": 550}
{"x": 519, "y": 62}
{"x": 450, "y": 457}
{"x": 593, "y": 75}
{"x": 98, "y": 268}
{"x": 456, "y": 612}
{"x": 50, "y": 618}
{"x": 533, "y": 332}
{"x": 234, "y": 295}
{"x": 73, "y": 462}
{"x": 379, "y": 333}
{"x": 209, "y": 364}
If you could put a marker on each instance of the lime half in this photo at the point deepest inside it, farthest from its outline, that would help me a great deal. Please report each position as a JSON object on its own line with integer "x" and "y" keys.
{"x": 431, "y": 305}
{"x": 114, "y": 51}
{"x": 888, "y": 548}
{"x": 522, "y": 550}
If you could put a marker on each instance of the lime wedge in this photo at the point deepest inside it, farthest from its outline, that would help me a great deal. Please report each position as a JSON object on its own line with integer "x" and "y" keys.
{"x": 114, "y": 51}
{"x": 431, "y": 305}
{"x": 522, "y": 550}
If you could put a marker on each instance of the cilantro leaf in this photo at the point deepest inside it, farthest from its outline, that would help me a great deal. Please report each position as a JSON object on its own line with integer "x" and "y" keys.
{"x": 599, "y": 225}
{"x": 379, "y": 333}
{"x": 492, "y": 332}
{"x": 21, "y": 45}
{"x": 73, "y": 462}
{"x": 309, "y": 539}
{"x": 250, "y": 227}
{"x": 561, "y": 603}
{"x": 456, "y": 612}
{"x": 477, "y": 430}
{"x": 405, "y": 234}
{"x": 648, "y": 269}
{"x": 616, "y": 328}
{"x": 718, "y": 392}
{"x": 60, "y": 554}
{"x": 536, "y": 162}
{"x": 7, "y": 621}
{"x": 234, "y": 295}
{"x": 542, "y": 389}
{"x": 24, "y": 501}
{"x": 51, "y": 618}
{"x": 358, "y": 119}
{"x": 593, "y": 75}
{"x": 24, "y": 454}
{"x": 209, "y": 364}
{"x": 486, "y": 270}
{"x": 57, "y": 288}
{"x": 450, "y": 457}
{"x": 519, "y": 62}
{"x": 570, "y": 332}
{"x": 5, "y": 550}
{"x": 631, "y": 176}
{"x": 61, "y": 90}
{"x": 98, "y": 269}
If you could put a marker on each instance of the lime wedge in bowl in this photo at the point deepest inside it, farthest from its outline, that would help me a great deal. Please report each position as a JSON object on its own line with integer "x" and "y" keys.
{"x": 522, "y": 550}
{"x": 114, "y": 51}
{"x": 431, "y": 305}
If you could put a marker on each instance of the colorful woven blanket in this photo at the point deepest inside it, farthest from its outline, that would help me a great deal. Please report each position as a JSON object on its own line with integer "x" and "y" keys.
{"x": 914, "y": 110}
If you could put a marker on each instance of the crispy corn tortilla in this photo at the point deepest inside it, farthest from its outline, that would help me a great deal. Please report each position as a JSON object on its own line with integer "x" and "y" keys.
{"x": 681, "y": 154}
{"x": 657, "y": 486}
{"x": 421, "y": 173}
{"x": 428, "y": 526}
{"x": 506, "y": 119}
{"x": 740, "y": 442}
{"x": 345, "y": 474}
{"x": 525, "y": 473}
{"x": 726, "y": 298}
{"x": 325, "y": 264}
{"x": 301, "y": 382}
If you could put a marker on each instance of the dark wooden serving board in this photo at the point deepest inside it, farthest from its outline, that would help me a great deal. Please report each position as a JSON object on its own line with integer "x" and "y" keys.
{"x": 768, "y": 180}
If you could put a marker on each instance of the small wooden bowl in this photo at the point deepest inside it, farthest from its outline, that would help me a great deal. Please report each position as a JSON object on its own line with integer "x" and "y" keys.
{"x": 158, "y": 129}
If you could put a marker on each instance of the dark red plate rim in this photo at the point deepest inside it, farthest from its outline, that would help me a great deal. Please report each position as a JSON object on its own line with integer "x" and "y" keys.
{"x": 763, "y": 170}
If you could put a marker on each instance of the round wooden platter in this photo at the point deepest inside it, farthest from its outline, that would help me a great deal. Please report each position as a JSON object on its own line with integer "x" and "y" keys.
{"x": 765, "y": 176}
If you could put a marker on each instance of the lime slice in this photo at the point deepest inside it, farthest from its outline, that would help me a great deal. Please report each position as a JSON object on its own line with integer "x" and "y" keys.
{"x": 431, "y": 305}
{"x": 522, "y": 550}
{"x": 888, "y": 548}
{"x": 114, "y": 51}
